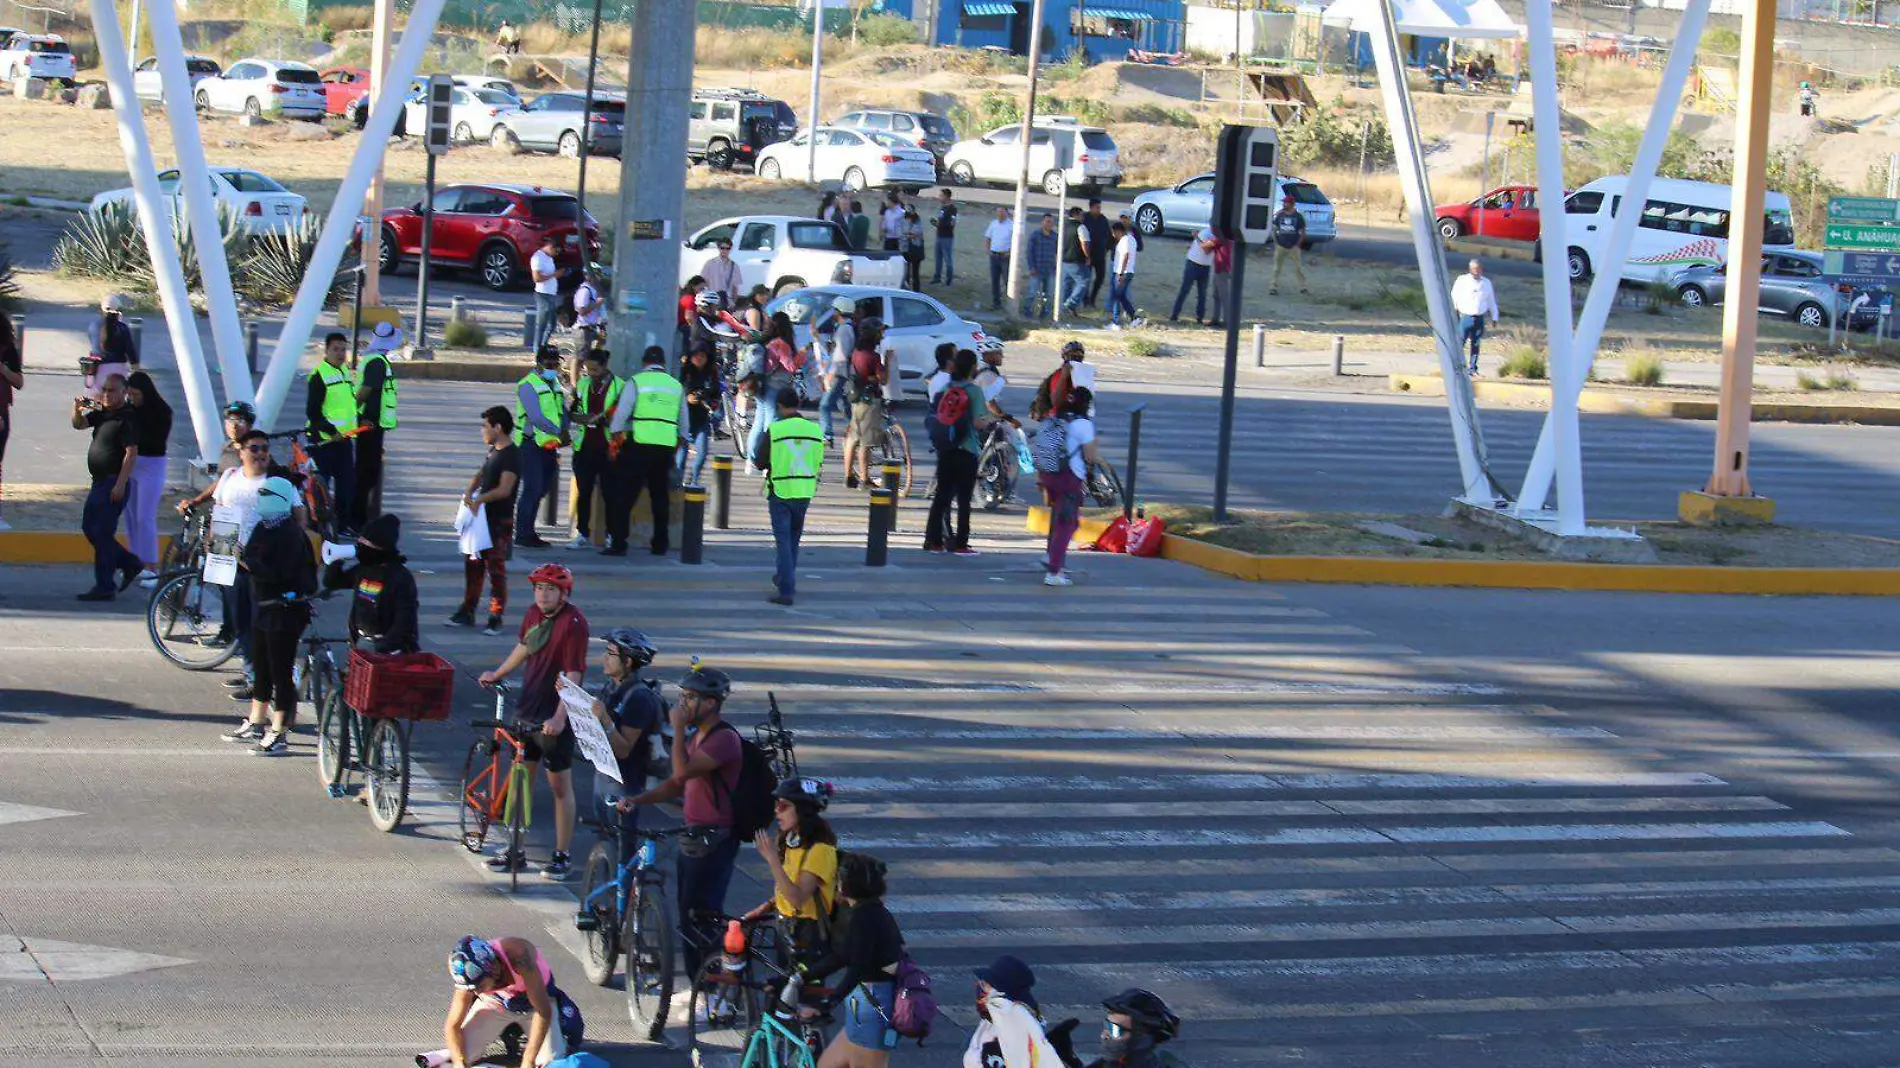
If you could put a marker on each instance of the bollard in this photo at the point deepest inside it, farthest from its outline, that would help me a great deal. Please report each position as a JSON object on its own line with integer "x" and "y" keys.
{"x": 722, "y": 492}
{"x": 250, "y": 346}
{"x": 692, "y": 523}
{"x": 138, "y": 334}
{"x": 877, "y": 536}
{"x": 894, "y": 481}
{"x": 458, "y": 309}
{"x": 1134, "y": 460}
{"x": 527, "y": 329}
{"x": 1259, "y": 344}
{"x": 1339, "y": 355}
{"x": 552, "y": 510}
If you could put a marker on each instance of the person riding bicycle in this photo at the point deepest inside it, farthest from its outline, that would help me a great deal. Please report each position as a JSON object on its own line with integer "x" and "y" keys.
{"x": 632, "y": 713}
{"x": 552, "y": 643}
{"x": 498, "y": 983}
{"x": 989, "y": 378}
{"x": 1138, "y": 1021}
{"x": 801, "y": 852}
{"x": 864, "y": 956}
{"x": 383, "y": 612}
{"x": 1054, "y": 389}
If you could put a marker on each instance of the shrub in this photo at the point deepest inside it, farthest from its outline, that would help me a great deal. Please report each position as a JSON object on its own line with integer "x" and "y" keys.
{"x": 1329, "y": 138}
{"x": 882, "y": 31}
{"x": 1009, "y": 330}
{"x": 998, "y": 109}
{"x": 1838, "y": 379}
{"x": 1523, "y": 361}
{"x": 1643, "y": 369}
{"x": 1143, "y": 346}
{"x": 1086, "y": 109}
{"x": 1657, "y": 297}
{"x": 107, "y": 243}
{"x": 465, "y": 334}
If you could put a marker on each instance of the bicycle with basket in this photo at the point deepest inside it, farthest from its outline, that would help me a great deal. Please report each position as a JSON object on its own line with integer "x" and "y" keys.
{"x": 363, "y": 730}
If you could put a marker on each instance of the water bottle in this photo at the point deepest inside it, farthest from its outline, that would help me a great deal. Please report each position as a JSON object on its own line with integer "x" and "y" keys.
{"x": 648, "y": 854}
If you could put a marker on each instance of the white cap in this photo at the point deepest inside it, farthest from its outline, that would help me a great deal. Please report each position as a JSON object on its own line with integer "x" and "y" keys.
{"x": 385, "y": 337}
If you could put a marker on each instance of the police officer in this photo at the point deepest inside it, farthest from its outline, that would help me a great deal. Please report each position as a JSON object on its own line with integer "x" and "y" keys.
{"x": 650, "y": 412}
{"x": 1137, "y": 1022}
{"x": 791, "y": 455}
{"x": 540, "y": 431}
{"x": 376, "y": 415}
{"x": 330, "y": 413}
{"x": 596, "y": 395}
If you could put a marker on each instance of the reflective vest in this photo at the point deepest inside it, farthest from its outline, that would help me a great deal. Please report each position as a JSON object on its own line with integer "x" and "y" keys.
{"x": 798, "y": 450}
{"x": 387, "y": 418}
{"x": 615, "y": 387}
{"x": 656, "y": 409}
{"x": 339, "y": 400}
{"x": 549, "y": 396}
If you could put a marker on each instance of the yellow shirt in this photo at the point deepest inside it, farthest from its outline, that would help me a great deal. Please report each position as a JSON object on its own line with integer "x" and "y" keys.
{"x": 820, "y": 860}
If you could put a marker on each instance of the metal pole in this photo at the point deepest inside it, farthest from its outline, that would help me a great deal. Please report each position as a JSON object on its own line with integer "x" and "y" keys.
{"x": 1484, "y": 182}
{"x": 383, "y": 27}
{"x": 587, "y": 116}
{"x": 1893, "y": 176}
{"x": 722, "y": 492}
{"x": 1565, "y": 385}
{"x": 817, "y": 69}
{"x": 1022, "y": 180}
{"x": 132, "y": 39}
{"x": 422, "y": 261}
{"x": 1229, "y": 370}
{"x": 1339, "y": 355}
{"x": 692, "y": 523}
{"x": 878, "y": 529}
{"x": 1134, "y": 459}
{"x": 1259, "y": 345}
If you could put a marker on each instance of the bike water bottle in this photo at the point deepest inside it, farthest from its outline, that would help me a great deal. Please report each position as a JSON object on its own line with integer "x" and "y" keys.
{"x": 734, "y": 946}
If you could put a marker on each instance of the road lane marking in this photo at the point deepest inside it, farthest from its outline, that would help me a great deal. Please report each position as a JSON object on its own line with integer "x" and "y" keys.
{"x": 1106, "y": 784}
{"x": 14, "y": 813}
{"x": 42, "y": 960}
{"x": 987, "y": 811}
{"x": 1191, "y": 837}
{"x": 1266, "y": 733}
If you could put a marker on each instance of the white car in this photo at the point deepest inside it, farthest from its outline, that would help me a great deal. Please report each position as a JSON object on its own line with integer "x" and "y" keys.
{"x": 265, "y": 87}
{"x": 472, "y": 82}
{"x": 781, "y": 251}
{"x": 256, "y": 201}
{"x": 149, "y": 86}
{"x": 858, "y": 158}
{"x": 473, "y": 113}
{"x": 914, "y": 324}
{"x": 38, "y": 55}
{"x": 1062, "y": 153}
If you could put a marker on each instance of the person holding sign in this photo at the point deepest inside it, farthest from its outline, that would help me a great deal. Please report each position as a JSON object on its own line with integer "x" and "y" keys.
{"x": 632, "y": 713}
{"x": 234, "y": 496}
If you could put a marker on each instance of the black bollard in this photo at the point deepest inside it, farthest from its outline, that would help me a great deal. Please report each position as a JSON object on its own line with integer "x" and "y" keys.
{"x": 692, "y": 523}
{"x": 722, "y": 492}
{"x": 250, "y": 345}
{"x": 877, "y": 536}
{"x": 893, "y": 481}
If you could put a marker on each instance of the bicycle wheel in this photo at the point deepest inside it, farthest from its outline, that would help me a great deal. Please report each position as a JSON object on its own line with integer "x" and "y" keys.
{"x": 896, "y": 447}
{"x": 600, "y": 903}
{"x": 649, "y": 944}
{"x": 993, "y": 482}
{"x": 333, "y": 743}
{"x": 317, "y": 678}
{"x": 1105, "y": 486}
{"x": 479, "y": 773}
{"x": 722, "y": 1013}
{"x": 183, "y": 619}
{"x": 387, "y": 768}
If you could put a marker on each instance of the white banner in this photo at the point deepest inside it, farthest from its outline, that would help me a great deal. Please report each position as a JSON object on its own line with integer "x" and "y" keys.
{"x": 221, "y": 555}
{"x": 587, "y": 730}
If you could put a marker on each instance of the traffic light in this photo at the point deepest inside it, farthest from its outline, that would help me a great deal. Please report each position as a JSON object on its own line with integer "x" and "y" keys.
{"x": 439, "y": 99}
{"x": 1245, "y": 171}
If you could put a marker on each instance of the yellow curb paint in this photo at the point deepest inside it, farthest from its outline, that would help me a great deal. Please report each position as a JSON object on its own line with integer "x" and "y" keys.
{"x": 1086, "y": 532}
{"x": 50, "y": 547}
{"x": 1604, "y": 402}
{"x": 1705, "y": 510}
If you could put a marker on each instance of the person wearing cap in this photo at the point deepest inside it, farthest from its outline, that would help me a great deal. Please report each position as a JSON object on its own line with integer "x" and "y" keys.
{"x": 383, "y": 611}
{"x": 113, "y": 349}
{"x": 376, "y": 416}
{"x": 1810, "y": 100}
{"x": 837, "y": 365}
{"x": 651, "y": 411}
{"x": 110, "y": 461}
{"x": 545, "y": 271}
{"x": 541, "y": 428}
{"x": 722, "y": 275}
{"x": 629, "y": 709}
{"x": 1010, "y": 1032}
{"x": 1288, "y": 227}
{"x": 330, "y": 416}
{"x": 590, "y": 312}
{"x": 283, "y": 575}
{"x": 791, "y": 456}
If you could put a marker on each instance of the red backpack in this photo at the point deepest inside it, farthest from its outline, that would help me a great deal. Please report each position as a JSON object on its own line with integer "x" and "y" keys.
{"x": 949, "y": 419}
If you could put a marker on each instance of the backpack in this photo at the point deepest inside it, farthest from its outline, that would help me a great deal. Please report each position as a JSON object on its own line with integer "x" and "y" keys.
{"x": 565, "y": 315}
{"x": 751, "y": 796}
{"x": 1051, "y": 450}
{"x": 914, "y": 1007}
{"x": 950, "y": 420}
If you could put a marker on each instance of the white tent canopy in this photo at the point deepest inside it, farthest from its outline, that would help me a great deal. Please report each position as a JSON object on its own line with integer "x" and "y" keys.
{"x": 1466, "y": 19}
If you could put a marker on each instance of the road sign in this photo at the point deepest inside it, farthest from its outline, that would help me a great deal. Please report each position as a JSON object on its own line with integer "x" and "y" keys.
{"x": 1862, "y": 236}
{"x": 1863, "y": 209}
{"x": 1862, "y": 268}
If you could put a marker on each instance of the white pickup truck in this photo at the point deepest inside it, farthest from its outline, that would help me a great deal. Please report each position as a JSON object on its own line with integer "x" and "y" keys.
{"x": 784, "y": 252}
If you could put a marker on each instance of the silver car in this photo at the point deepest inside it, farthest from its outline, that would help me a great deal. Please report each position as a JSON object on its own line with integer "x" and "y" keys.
{"x": 914, "y": 323}
{"x": 1188, "y": 207}
{"x": 1792, "y": 286}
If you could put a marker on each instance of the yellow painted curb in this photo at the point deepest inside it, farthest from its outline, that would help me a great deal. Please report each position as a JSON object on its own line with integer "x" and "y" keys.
{"x": 51, "y": 547}
{"x": 1604, "y": 402}
{"x": 1086, "y": 531}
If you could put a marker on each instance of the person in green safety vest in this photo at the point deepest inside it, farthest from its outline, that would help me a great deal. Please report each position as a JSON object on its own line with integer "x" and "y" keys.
{"x": 595, "y": 396}
{"x": 651, "y": 412}
{"x": 791, "y": 455}
{"x": 330, "y": 415}
{"x": 540, "y": 430}
{"x": 376, "y": 415}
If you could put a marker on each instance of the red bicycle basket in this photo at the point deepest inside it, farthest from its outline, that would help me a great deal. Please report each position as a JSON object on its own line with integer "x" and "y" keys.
{"x": 399, "y": 685}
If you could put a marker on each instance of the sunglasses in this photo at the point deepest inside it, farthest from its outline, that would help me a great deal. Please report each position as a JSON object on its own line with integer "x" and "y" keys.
{"x": 257, "y": 447}
{"x": 1111, "y": 1029}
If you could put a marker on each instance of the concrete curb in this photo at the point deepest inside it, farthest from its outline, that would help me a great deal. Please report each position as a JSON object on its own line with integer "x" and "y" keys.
{"x": 1604, "y": 402}
{"x": 1511, "y": 574}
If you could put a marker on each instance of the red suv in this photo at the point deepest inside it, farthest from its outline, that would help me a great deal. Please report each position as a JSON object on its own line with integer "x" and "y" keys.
{"x": 489, "y": 229}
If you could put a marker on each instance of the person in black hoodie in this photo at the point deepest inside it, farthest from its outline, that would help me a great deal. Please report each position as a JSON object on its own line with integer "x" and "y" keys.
{"x": 283, "y": 575}
{"x": 865, "y": 955}
{"x": 383, "y": 612}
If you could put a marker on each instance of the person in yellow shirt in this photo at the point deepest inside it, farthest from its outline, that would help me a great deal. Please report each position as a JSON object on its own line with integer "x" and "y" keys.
{"x": 802, "y": 853}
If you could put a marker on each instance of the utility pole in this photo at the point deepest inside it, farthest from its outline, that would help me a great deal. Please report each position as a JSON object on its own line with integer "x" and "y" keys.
{"x": 817, "y": 67}
{"x": 587, "y": 116}
{"x": 1240, "y": 77}
{"x": 383, "y": 27}
{"x": 652, "y": 182}
{"x": 1022, "y": 181}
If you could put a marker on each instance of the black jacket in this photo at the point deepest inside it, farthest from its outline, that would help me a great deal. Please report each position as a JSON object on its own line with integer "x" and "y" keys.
{"x": 283, "y": 576}
{"x": 383, "y": 609}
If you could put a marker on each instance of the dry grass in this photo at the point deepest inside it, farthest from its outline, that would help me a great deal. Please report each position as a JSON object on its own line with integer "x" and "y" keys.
{"x": 347, "y": 18}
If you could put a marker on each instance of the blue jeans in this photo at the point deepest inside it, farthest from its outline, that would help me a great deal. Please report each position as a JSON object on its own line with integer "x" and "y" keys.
{"x": 544, "y": 307}
{"x": 1075, "y": 284}
{"x": 833, "y": 401}
{"x": 100, "y": 523}
{"x": 999, "y": 277}
{"x": 1194, "y": 276}
{"x": 539, "y": 468}
{"x": 764, "y": 414}
{"x": 945, "y": 269}
{"x": 695, "y": 444}
{"x": 788, "y": 526}
{"x": 701, "y": 886}
{"x": 1042, "y": 291}
{"x": 1118, "y": 299}
{"x": 1470, "y": 333}
{"x": 336, "y": 461}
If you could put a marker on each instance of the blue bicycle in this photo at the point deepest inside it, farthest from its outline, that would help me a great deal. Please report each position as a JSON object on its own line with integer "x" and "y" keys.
{"x": 623, "y": 908}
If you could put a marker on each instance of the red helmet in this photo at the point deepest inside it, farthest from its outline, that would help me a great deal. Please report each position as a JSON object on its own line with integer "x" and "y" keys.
{"x": 553, "y": 575}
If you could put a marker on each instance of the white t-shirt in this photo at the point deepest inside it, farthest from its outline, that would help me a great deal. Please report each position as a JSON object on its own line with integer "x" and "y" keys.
{"x": 542, "y": 263}
{"x": 999, "y": 233}
{"x": 235, "y": 489}
{"x": 893, "y": 222}
{"x": 1196, "y": 253}
{"x": 1081, "y": 432}
{"x": 843, "y": 340}
{"x": 936, "y": 384}
{"x": 583, "y": 296}
{"x": 991, "y": 381}
{"x": 1125, "y": 251}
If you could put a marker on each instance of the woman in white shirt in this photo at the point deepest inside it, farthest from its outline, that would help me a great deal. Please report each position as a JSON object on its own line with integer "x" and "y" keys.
{"x": 1062, "y": 489}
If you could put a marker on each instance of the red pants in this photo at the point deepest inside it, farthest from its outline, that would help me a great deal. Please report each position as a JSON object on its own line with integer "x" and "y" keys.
{"x": 1065, "y": 513}
{"x": 493, "y": 564}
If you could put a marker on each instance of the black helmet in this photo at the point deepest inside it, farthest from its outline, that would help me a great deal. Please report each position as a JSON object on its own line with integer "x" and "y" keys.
{"x": 1148, "y": 1011}
{"x": 632, "y": 644}
{"x": 242, "y": 410}
{"x": 709, "y": 681}
{"x": 807, "y": 793}
{"x": 1072, "y": 348}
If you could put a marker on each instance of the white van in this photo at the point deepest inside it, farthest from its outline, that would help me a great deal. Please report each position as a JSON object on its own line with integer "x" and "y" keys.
{"x": 1684, "y": 224}
{"x": 1062, "y": 152}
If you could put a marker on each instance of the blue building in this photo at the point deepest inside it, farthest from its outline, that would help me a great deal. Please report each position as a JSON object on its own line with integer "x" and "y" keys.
{"x": 1108, "y": 30}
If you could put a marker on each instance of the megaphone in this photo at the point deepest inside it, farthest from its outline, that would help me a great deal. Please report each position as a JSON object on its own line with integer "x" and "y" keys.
{"x": 332, "y": 552}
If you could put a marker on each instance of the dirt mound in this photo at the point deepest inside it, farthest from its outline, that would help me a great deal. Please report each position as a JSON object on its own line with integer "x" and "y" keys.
{"x": 1141, "y": 83}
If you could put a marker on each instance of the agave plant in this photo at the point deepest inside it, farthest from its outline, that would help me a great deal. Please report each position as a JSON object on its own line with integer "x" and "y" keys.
{"x": 107, "y": 243}
{"x": 275, "y": 266}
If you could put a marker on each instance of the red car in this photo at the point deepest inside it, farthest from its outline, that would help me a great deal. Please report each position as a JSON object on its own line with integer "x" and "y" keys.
{"x": 1508, "y": 213}
{"x": 341, "y": 88}
{"x": 490, "y": 229}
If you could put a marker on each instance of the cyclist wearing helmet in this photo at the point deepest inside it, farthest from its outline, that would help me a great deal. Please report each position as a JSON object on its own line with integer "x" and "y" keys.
{"x": 706, "y": 762}
{"x": 1138, "y": 1021}
{"x": 552, "y": 643}
{"x": 631, "y": 712}
{"x": 498, "y": 983}
{"x": 1055, "y": 388}
{"x": 801, "y": 852}
{"x": 239, "y": 419}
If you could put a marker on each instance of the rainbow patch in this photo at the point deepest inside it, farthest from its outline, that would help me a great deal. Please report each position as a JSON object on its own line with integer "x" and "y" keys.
{"x": 369, "y": 590}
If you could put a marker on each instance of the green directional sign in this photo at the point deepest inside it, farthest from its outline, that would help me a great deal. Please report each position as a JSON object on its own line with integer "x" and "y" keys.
{"x": 1863, "y": 210}
{"x": 1862, "y": 237}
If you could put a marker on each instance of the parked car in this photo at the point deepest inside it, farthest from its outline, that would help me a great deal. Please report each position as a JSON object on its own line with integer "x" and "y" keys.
{"x": 915, "y": 324}
{"x": 727, "y": 127}
{"x": 932, "y": 133}
{"x": 38, "y": 55}
{"x": 552, "y": 123}
{"x": 783, "y": 251}
{"x": 358, "y": 110}
{"x": 1792, "y": 286}
{"x": 1188, "y": 207}
{"x": 474, "y": 114}
{"x": 488, "y": 228}
{"x": 1508, "y": 213}
{"x": 489, "y": 81}
{"x": 6, "y": 34}
{"x": 858, "y": 159}
{"x": 1062, "y": 153}
{"x": 256, "y": 201}
{"x": 342, "y": 88}
{"x": 147, "y": 84}
{"x": 265, "y": 87}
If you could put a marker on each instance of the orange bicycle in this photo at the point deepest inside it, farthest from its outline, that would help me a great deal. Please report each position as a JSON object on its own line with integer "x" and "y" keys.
{"x": 493, "y": 794}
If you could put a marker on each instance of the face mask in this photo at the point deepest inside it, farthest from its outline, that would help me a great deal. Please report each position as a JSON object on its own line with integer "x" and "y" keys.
{"x": 1126, "y": 1048}
{"x": 551, "y": 375}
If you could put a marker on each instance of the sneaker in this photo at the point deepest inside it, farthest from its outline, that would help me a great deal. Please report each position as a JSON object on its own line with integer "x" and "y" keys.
{"x": 1113, "y": 326}
{"x": 95, "y": 595}
{"x": 966, "y": 551}
{"x": 272, "y": 744}
{"x": 557, "y": 869}
{"x": 503, "y": 863}
{"x": 462, "y": 618}
{"x": 494, "y": 626}
{"x": 148, "y": 579}
{"x": 534, "y": 542}
{"x": 246, "y": 732}
{"x": 850, "y": 482}
{"x": 1137, "y": 322}
{"x": 245, "y": 692}
{"x": 614, "y": 550}
{"x": 1057, "y": 579}
{"x": 779, "y": 598}
{"x": 236, "y": 682}
{"x": 578, "y": 542}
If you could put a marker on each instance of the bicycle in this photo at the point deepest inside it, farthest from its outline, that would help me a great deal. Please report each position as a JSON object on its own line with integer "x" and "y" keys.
{"x": 894, "y": 449}
{"x": 185, "y": 620}
{"x": 186, "y": 550}
{"x": 317, "y": 503}
{"x": 726, "y": 1026}
{"x": 998, "y": 465}
{"x": 623, "y": 908}
{"x": 363, "y": 728}
{"x": 316, "y": 674}
{"x": 1103, "y": 485}
{"x": 491, "y": 794}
